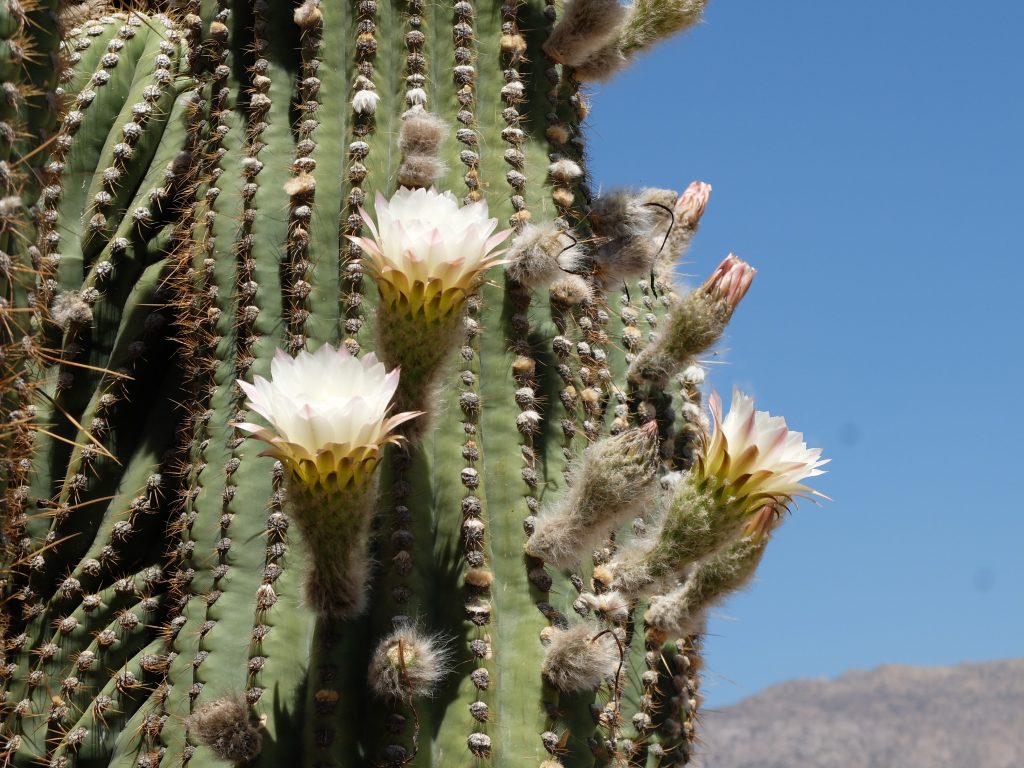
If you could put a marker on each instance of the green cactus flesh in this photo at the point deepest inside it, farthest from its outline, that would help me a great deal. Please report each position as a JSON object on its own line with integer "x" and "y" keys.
{"x": 178, "y": 192}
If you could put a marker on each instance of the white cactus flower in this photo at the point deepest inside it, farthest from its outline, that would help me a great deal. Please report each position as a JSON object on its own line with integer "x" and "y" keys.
{"x": 756, "y": 462}
{"x": 327, "y": 412}
{"x": 426, "y": 252}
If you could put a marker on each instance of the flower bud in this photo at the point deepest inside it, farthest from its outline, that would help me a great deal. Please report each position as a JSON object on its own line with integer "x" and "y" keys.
{"x": 691, "y": 204}
{"x": 688, "y": 209}
{"x": 681, "y": 611}
{"x": 730, "y": 282}
{"x": 696, "y": 322}
{"x": 581, "y": 658}
{"x": 615, "y": 476}
{"x": 408, "y": 664}
{"x": 541, "y": 253}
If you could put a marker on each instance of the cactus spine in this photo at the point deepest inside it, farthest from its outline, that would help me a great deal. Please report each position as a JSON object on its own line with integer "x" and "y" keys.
{"x": 182, "y": 196}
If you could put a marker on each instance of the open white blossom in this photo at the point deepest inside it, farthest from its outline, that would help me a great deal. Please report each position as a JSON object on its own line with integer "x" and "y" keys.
{"x": 756, "y": 462}
{"x": 426, "y": 252}
{"x": 327, "y": 412}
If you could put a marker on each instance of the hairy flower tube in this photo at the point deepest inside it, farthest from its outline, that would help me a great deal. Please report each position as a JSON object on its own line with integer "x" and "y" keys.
{"x": 426, "y": 252}
{"x": 328, "y": 414}
{"x": 754, "y": 460}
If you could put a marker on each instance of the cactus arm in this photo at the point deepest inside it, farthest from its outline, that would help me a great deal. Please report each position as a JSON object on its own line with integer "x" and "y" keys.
{"x": 78, "y": 511}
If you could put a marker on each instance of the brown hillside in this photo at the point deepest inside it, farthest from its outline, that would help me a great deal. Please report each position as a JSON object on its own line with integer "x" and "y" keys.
{"x": 967, "y": 716}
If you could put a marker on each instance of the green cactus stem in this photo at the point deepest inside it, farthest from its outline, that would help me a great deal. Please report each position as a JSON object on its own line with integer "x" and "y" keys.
{"x": 182, "y": 193}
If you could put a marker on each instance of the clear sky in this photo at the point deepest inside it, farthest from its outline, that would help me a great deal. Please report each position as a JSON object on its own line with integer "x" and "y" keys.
{"x": 868, "y": 159}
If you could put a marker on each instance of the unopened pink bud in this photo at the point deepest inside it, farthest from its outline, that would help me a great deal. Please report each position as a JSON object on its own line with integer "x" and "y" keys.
{"x": 690, "y": 205}
{"x": 730, "y": 281}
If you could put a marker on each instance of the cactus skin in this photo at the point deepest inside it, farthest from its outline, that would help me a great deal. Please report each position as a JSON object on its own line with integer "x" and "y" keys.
{"x": 196, "y": 197}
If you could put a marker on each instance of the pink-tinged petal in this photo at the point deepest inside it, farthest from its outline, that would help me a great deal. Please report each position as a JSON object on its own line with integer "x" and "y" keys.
{"x": 746, "y": 461}
{"x": 366, "y": 244}
{"x": 773, "y": 444}
{"x": 401, "y": 418}
{"x": 746, "y": 432}
{"x": 496, "y": 239}
{"x": 250, "y": 390}
{"x": 369, "y": 220}
{"x": 257, "y": 431}
{"x": 716, "y": 406}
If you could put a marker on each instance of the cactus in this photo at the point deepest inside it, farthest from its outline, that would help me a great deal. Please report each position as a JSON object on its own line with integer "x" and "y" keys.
{"x": 188, "y": 192}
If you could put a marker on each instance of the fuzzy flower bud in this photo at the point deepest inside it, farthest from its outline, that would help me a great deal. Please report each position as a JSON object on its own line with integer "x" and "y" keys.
{"x": 625, "y": 224}
{"x": 585, "y": 26}
{"x": 427, "y": 253}
{"x": 328, "y": 414}
{"x": 408, "y": 664}
{"x": 696, "y": 322}
{"x": 691, "y": 204}
{"x": 581, "y": 658}
{"x": 616, "y": 475}
{"x": 730, "y": 282}
{"x": 688, "y": 209}
{"x": 541, "y": 253}
{"x": 228, "y": 727}
{"x": 681, "y": 611}
{"x": 70, "y": 309}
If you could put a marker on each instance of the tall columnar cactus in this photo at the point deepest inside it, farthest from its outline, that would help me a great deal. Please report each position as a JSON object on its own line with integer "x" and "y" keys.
{"x": 510, "y": 566}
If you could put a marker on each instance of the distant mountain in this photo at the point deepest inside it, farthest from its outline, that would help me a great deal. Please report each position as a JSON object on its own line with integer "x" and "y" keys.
{"x": 968, "y": 716}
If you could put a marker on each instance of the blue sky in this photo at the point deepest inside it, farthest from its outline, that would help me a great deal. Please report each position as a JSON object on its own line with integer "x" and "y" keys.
{"x": 868, "y": 159}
